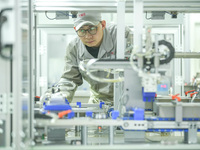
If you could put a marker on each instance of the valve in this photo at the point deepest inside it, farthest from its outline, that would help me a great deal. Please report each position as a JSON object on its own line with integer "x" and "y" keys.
{"x": 191, "y": 95}
{"x": 176, "y": 97}
{"x": 186, "y": 93}
{"x": 61, "y": 114}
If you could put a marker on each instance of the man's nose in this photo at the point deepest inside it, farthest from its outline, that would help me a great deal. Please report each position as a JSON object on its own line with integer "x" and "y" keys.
{"x": 88, "y": 35}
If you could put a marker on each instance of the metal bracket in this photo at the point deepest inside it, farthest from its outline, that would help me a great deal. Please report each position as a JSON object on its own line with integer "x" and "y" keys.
{"x": 190, "y": 137}
{"x": 6, "y": 103}
{"x": 178, "y": 112}
{"x": 134, "y": 125}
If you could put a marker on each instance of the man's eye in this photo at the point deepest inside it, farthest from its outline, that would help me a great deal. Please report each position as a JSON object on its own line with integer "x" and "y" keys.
{"x": 92, "y": 28}
{"x": 82, "y": 30}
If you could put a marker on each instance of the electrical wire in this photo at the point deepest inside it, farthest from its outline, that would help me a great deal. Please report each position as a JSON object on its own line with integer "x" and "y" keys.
{"x": 68, "y": 85}
{"x": 48, "y": 17}
{"x": 89, "y": 64}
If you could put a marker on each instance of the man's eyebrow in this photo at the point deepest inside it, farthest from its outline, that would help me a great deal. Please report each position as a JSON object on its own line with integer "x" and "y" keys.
{"x": 88, "y": 26}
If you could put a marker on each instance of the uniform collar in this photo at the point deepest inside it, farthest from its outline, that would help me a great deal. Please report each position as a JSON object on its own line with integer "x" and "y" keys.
{"x": 107, "y": 43}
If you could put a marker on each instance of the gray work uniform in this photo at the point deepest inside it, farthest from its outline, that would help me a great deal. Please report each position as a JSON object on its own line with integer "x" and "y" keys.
{"x": 77, "y": 52}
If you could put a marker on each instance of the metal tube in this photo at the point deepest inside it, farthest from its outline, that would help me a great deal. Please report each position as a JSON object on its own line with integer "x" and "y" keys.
{"x": 111, "y": 138}
{"x": 120, "y": 29}
{"x": 84, "y": 135}
{"x": 138, "y": 24}
{"x": 187, "y": 55}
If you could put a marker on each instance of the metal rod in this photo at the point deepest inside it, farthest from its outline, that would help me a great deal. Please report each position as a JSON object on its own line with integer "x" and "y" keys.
{"x": 111, "y": 138}
{"x": 84, "y": 135}
{"x": 187, "y": 55}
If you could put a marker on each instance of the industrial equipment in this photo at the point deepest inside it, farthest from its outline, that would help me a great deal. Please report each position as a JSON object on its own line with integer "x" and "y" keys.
{"x": 155, "y": 105}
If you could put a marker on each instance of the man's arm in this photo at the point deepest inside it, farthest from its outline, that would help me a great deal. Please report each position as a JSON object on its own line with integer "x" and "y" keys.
{"x": 71, "y": 77}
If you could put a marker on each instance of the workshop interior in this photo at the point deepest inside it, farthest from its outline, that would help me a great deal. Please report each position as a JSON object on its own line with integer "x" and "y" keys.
{"x": 156, "y": 102}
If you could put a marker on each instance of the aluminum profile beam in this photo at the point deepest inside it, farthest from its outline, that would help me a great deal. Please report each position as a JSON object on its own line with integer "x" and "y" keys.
{"x": 108, "y": 6}
{"x": 126, "y": 124}
{"x": 187, "y": 54}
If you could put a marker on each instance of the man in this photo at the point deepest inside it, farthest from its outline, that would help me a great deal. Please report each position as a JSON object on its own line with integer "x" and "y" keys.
{"x": 95, "y": 39}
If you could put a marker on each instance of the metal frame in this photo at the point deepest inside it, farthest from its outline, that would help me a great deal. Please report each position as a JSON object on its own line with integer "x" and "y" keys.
{"x": 120, "y": 147}
{"x": 42, "y": 54}
{"x": 111, "y": 5}
{"x": 17, "y": 80}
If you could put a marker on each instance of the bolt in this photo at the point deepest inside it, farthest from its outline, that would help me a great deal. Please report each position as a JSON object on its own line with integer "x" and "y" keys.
{"x": 126, "y": 124}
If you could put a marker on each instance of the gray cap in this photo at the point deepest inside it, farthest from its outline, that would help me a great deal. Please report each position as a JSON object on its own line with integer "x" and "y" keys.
{"x": 87, "y": 18}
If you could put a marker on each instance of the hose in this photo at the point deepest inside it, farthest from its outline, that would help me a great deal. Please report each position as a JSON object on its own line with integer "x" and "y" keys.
{"x": 3, "y": 19}
{"x": 92, "y": 61}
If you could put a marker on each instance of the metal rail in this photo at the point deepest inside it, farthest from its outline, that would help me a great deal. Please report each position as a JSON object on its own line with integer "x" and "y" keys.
{"x": 126, "y": 124}
{"x": 187, "y": 55}
{"x": 111, "y": 5}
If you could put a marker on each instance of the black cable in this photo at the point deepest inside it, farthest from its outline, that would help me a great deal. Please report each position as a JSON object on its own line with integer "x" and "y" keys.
{"x": 10, "y": 46}
{"x": 48, "y": 17}
{"x": 3, "y": 19}
{"x": 171, "y": 51}
{"x": 163, "y": 61}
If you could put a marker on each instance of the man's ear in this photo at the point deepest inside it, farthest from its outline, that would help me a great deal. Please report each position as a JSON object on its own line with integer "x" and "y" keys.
{"x": 103, "y": 23}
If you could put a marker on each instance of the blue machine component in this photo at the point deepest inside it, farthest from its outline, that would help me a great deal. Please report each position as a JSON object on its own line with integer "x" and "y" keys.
{"x": 148, "y": 109}
{"x": 58, "y": 107}
{"x": 159, "y": 119}
{"x": 167, "y": 130}
{"x": 70, "y": 115}
{"x": 148, "y": 96}
{"x": 191, "y": 119}
{"x": 89, "y": 113}
{"x": 127, "y": 118}
{"x": 44, "y": 112}
{"x": 57, "y": 104}
{"x": 115, "y": 114}
{"x": 138, "y": 114}
{"x": 66, "y": 101}
{"x": 162, "y": 130}
{"x": 78, "y": 104}
{"x": 170, "y": 119}
{"x": 101, "y": 104}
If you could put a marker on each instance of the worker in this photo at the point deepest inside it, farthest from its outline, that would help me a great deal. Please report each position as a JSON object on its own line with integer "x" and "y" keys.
{"x": 95, "y": 39}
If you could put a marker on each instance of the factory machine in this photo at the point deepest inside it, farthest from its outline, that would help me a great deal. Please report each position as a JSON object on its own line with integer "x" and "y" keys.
{"x": 150, "y": 109}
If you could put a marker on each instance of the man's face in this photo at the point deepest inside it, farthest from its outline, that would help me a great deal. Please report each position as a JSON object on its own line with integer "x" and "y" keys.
{"x": 93, "y": 40}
